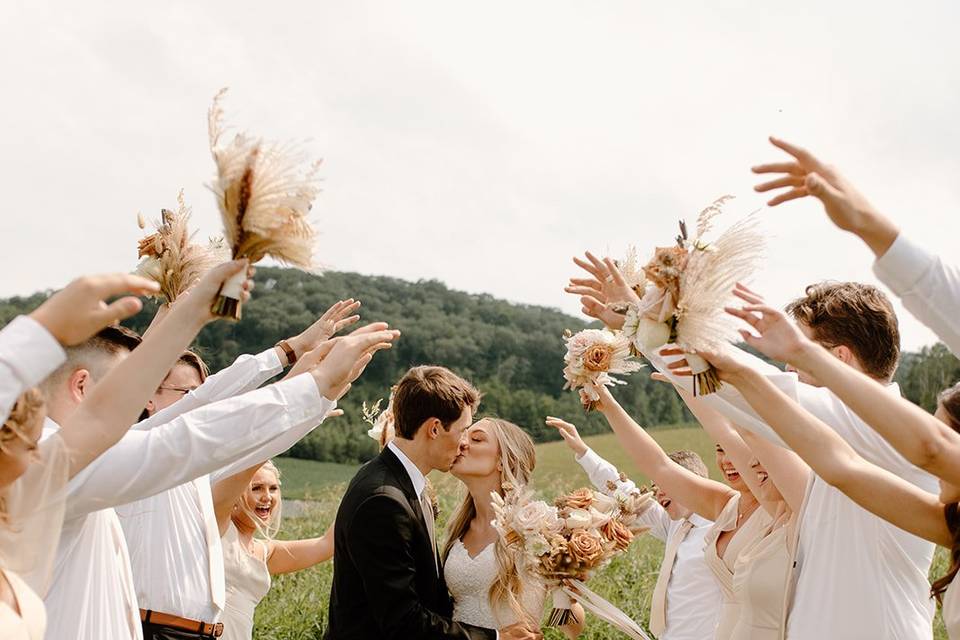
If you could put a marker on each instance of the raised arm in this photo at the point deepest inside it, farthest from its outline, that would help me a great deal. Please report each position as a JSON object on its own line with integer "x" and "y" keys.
{"x": 226, "y": 492}
{"x": 834, "y": 460}
{"x": 31, "y": 347}
{"x": 115, "y": 402}
{"x": 249, "y": 372}
{"x": 212, "y": 437}
{"x": 929, "y": 287}
{"x": 703, "y": 496}
{"x": 918, "y": 436}
{"x": 287, "y": 556}
{"x": 788, "y": 472}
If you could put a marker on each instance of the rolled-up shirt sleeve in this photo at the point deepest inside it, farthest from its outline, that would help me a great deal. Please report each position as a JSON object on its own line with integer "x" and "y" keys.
{"x": 28, "y": 354}
{"x": 245, "y": 374}
{"x": 928, "y": 287}
{"x": 601, "y": 472}
{"x": 144, "y": 463}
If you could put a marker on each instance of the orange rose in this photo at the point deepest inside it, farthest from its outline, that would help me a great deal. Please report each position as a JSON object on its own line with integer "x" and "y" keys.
{"x": 579, "y": 499}
{"x": 618, "y": 534}
{"x": 585, "y": 547}
{"x": 598, "y": 357}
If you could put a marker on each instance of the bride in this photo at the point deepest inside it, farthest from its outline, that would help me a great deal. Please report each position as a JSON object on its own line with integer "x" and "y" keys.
{"x": 487, "y": 587}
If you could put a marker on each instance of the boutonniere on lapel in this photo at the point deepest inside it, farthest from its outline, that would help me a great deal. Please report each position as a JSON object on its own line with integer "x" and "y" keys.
{"x": 432, "y": 494}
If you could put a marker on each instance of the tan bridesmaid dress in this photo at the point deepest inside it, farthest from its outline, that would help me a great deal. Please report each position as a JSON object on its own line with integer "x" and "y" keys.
{"x": 750, "y": 531}
{"x": 761, "y": 580}
{"x": 31, "y": 622}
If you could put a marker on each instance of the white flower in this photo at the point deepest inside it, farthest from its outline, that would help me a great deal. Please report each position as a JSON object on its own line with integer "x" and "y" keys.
{"x": 604, "y": 503}
{"x": 598, "y": 518}
{"x": 651, "y": 334}
{"x": 533, "y": 517}
{"x": 578, "y": 519}
{"x": 536, "y": 545}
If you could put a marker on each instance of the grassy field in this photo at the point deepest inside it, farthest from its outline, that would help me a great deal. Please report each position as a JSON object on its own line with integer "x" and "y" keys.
{"x": 296, "y": 607}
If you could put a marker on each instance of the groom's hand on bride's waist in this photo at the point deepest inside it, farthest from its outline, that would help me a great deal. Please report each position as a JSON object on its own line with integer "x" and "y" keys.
{"x": 520, "y": 631}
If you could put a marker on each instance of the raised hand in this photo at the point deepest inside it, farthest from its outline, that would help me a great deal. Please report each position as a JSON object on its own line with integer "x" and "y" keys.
{"x": 600, "y": 293}
{"x": 723, "y": 360}
{"x": 340, "y": 361}
{"x": 79, "y": 310}
{"x": 570, "y": 435}
{"x": 338, "y": 317}
{"x": 806, "y": 175}
{"x": 779, "y": 338}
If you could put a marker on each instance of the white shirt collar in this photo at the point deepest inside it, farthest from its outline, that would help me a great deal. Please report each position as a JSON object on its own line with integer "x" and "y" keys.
{"x": 699, "y": 521}
{"x": 416, "y": 476}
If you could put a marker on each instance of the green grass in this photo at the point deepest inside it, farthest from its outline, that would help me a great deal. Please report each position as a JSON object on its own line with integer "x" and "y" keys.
{"x": 296, "y": 607}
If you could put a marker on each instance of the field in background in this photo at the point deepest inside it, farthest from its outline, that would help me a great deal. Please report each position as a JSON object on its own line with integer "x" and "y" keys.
{"x": 296, "y": 607}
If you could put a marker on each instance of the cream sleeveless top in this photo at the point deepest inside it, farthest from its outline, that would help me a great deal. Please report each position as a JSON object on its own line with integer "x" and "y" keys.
{"x": 761, "y": 583}
{"x": 247, "y": 582}
{"x": 750, "y": 531}
{"x": 31, "y": 623}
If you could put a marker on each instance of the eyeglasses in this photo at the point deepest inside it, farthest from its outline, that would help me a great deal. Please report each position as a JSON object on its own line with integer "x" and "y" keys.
{"x": 181, "y": 390}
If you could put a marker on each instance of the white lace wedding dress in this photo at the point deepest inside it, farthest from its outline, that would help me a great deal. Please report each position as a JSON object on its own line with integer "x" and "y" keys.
{"x": 469, "y": 580}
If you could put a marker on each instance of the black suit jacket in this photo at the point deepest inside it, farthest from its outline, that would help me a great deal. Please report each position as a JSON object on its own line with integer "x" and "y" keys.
{"x": 385, "y": 582}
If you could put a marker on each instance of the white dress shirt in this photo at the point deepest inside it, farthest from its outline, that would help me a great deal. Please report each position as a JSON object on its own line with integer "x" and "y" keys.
{"x": 693, "y": 595}
{"x": 929, "y": 289}
{"x": 166, "y": 533}
{"x": 859, "y": 575}
{"x": 93, "y": 596}
{"x": 28, "y": 354}
{"x": 416, "y": 476}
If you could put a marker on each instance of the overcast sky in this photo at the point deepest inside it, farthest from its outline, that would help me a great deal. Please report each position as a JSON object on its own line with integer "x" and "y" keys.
{"x": 482, "y": 144}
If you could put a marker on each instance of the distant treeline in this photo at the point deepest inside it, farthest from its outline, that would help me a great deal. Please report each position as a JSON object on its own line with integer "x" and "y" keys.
{"x": 512, "y": 352}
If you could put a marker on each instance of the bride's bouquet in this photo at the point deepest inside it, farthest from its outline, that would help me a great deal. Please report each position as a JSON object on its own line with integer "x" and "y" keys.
{"x": 564, "y": 543}
{"x": 595, "y": 356}
{"x": 688, "y": 285}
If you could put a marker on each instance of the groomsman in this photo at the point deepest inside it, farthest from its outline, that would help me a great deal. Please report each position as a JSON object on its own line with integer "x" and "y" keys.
{"x": 92, "y": 595}
{"x": 686, "y": 599}
{"x": 172, "y": 537}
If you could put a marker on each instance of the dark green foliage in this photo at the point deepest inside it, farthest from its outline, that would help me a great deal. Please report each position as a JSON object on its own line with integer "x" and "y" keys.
{"x": 512, "y": 352}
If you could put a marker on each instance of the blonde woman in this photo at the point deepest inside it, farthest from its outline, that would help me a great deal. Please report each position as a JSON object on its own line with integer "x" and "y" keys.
{"x": 487, "y": 588}
{"x": 250, "y": 559}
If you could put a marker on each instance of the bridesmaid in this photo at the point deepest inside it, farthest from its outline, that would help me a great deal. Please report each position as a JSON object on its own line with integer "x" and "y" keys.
{"x": 763, "y": 571}
{"x": 249, "y": 560}
{"x": 739, "y": 520}
{"x": 933, "y": 518}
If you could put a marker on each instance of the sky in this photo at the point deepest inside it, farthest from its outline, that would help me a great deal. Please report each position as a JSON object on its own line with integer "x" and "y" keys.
{"x": 480, "y": 144}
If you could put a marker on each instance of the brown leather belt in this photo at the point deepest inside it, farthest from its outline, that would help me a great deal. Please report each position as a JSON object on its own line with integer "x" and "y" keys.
{"x": 184, "y": 624}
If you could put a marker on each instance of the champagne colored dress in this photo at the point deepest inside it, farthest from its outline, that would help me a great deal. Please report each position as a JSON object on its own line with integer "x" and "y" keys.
{"x": 750, "y": 531}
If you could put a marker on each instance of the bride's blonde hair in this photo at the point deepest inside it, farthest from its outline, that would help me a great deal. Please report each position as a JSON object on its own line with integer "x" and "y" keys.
{"x": 518, "y": 457}
{"x": 272, "y": 528}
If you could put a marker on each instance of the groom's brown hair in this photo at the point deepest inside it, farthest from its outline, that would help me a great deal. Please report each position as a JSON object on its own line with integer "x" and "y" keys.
{"x": 430, "y": 392}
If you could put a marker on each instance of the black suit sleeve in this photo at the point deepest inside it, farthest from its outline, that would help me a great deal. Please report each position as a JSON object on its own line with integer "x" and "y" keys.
{"x": 383, "y": 555}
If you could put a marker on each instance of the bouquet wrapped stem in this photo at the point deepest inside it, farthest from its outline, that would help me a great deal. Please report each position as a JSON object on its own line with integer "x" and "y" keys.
{"x": 561, "y": 614}
{"x": 227, "y": 303}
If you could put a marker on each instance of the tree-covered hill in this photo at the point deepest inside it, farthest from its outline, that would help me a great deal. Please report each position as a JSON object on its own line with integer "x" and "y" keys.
{"x": 512, "y": 352}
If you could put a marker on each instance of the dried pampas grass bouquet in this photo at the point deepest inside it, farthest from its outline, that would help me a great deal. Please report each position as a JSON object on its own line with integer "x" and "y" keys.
{"x": 171, "y": 258}
{"x": 264, "y": 191}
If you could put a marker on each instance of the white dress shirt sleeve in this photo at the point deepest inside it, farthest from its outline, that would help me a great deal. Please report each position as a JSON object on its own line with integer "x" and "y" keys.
{"x": 196, "y": 443}
{"x": 245, "y": 374}
{"x": 600, "y": 472}
{"x": 929, "y": 289}
{"x": 28, "y": 354}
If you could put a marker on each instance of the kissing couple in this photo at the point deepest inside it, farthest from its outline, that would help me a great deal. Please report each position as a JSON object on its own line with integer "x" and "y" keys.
{"x": 391, "y": 580}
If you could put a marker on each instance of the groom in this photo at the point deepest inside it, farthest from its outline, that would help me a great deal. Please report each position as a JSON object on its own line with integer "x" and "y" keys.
{"x": 387, "y": 577}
